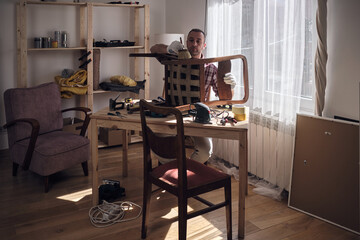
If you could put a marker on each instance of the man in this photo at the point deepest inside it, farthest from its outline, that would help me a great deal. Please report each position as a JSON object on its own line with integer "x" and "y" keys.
{"x": 195, "y": 44}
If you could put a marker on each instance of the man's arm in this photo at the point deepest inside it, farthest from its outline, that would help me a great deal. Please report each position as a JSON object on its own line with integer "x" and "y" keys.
{"x": 159, "y": 48}
{"x": 173, "y": 48}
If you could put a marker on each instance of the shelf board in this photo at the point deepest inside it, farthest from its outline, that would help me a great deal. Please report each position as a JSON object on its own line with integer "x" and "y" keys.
{"x": 117, "y": 5}
{"x": 100, "y": 91}
{"x": 56, "y": 49}
{"x": 124, "y": 47}
{"x": 57, "y": 3}
{"x": 85, "y": 4}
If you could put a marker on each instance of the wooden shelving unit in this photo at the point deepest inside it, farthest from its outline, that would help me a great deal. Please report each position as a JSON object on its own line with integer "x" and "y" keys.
{"x": 86, "y": 13}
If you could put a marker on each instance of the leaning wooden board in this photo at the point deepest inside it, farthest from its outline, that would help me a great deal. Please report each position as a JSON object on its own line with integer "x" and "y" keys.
{"x": 325, "y": 173}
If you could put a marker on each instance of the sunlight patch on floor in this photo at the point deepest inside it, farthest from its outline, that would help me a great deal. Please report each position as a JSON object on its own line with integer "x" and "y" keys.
{"x": 197, "y": 228}
{"x": 76, "y": 196}
{"x": 174, "y": 213}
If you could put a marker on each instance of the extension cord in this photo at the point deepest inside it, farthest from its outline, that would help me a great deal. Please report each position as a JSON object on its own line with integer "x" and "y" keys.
{"x": 107, "y": 214}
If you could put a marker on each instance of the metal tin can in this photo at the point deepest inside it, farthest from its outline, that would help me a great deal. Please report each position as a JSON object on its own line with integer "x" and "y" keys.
{"x": 54, "y": 44}
{"x": 46, "y": 43}
{"x": 64, "y": 39}
{"x": 37, "y": 42}
{"x": 57, "y": 37}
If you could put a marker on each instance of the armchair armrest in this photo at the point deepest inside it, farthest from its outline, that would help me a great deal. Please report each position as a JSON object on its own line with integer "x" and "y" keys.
{"x": 87, "y": 112}
{"x": 35, "y": 127}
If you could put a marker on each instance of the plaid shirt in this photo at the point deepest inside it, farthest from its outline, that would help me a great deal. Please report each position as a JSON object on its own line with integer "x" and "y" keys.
{"x": 210, "y": 80}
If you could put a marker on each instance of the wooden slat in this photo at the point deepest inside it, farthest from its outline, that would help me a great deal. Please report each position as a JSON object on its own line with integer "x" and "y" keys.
{"x": 22, "y": 61}
{"x": 137, "y": 41}
{"x": 90, "y": 96}
{"x": 147, "y": 49}
{"x": 82, "y": 28}
{"x": 223, "y": 88}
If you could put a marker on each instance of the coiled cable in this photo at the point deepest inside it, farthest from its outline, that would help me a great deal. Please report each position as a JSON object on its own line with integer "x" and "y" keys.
{"x": 107, "y": 214}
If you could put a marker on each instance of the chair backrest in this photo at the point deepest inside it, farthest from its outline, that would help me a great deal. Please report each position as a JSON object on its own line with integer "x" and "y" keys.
{"x": 164, "y": 145}
{"x": 42, "y": 103}
{"x": 185, "y": 81}
{"x": 184, "y": 84}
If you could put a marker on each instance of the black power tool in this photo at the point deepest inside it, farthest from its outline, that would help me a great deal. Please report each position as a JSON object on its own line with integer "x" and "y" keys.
{"x": 201, "y": 113}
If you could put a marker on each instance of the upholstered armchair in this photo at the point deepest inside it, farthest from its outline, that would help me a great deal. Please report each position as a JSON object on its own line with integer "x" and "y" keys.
{"x": 36, "y": 138}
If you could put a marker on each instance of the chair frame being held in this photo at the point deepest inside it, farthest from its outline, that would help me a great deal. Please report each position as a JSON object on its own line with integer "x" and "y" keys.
{"x": 184, "y": 178}
{"x": 190, "y": 73}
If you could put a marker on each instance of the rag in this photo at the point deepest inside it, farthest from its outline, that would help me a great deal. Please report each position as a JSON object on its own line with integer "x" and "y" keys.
{"x": 174, "y": 47}
{"x": 230, "y": 79}
{"x": 75, "y": 84}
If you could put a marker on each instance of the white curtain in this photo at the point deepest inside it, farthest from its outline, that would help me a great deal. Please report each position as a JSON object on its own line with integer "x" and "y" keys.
{"x": 276, "y": 38}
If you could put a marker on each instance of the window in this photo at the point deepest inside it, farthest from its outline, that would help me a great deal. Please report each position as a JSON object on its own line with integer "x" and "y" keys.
{"x": 276, "y": 36}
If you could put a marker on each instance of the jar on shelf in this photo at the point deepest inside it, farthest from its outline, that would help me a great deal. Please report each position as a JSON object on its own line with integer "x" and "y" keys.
{"x": 37, "y": 42}
{"x": 57, "y": 38}
{"x": 64, "y": 39}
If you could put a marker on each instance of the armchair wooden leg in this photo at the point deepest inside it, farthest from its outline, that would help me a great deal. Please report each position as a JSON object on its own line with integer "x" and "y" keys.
{"x": 85, "y": 168}
{"x": 15, "y": 168}
{"x": 46, "y": 183}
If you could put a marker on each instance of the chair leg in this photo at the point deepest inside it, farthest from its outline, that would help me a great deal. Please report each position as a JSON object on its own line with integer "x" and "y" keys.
{"x": 146, "y": 207}
{"x": 182, "y": 218}
{"x": 15, "y": 168}
{"x": 46, "y": 183}
{"x": 85, "y": 168}
{"x": 228, "y": 209}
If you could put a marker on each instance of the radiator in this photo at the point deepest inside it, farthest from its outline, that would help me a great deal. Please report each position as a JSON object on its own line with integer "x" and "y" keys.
{"x": 270, "y": 149}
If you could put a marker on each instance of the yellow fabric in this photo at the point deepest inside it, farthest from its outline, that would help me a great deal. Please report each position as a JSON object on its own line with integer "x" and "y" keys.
{"x": 76, "y": 84}
{"x": 123, "y": 80}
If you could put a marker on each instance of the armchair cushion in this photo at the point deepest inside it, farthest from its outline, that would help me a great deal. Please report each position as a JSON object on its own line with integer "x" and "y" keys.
{"x": 53, "y": 152}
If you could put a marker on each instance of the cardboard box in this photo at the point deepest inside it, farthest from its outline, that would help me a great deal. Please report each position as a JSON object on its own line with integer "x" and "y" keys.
{"x": 111, "y": 137}
{"x": 73, "y": 125}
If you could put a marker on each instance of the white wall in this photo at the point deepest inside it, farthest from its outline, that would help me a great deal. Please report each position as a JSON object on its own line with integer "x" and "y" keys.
{"x": 182, "y": 16}
{"x": 343, "y": 68}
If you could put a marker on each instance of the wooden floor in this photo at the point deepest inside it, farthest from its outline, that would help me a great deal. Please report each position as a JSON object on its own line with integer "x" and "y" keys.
{"x": 63, "y": 213}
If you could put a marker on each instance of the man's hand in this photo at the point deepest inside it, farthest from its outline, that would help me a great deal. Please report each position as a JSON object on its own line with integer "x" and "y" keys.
{"x": 230, "y": 79}
{"x": 174, "y": 47}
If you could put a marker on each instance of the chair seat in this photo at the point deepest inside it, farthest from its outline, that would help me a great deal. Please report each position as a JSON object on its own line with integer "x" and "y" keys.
{"x": 198, "y": 174}
{"x": 57, "y": 149}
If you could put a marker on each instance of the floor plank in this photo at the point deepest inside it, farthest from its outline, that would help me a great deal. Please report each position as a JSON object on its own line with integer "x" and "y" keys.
{"x": 63, "y": 213}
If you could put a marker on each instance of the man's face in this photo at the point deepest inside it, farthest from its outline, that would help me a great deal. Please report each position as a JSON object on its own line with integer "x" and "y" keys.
{"x": 195, "y": 43}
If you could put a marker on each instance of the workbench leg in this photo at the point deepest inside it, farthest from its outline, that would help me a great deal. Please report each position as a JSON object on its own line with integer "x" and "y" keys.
{"x": 125, "y": 152}
{"x": 243, "y": 172}
{"x": 95, "y": 161}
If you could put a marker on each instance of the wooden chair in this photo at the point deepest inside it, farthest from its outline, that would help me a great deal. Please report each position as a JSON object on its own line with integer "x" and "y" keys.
{"x": 34, "y": 126}
{"x": 185, "y": 81}
{"x": 184, "y": 178}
